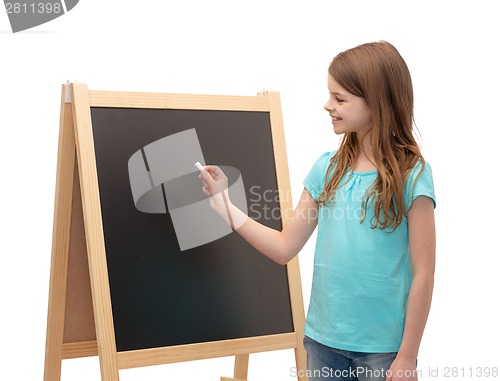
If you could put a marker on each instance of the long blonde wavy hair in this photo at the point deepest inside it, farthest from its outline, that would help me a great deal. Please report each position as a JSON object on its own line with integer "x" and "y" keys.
{"x": 377, "y": 72}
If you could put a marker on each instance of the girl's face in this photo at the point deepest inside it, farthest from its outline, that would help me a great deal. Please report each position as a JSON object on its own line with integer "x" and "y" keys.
{"x": 349, "y": 112}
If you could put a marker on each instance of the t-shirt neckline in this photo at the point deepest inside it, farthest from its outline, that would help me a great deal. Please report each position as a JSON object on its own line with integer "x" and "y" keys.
{"x": 360, "y": 173}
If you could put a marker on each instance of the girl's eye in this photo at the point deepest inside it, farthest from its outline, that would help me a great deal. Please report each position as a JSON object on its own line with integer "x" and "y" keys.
{"x": 339, "y": 100}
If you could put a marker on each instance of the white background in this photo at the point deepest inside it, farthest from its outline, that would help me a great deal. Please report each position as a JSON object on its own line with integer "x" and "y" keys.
{"x": 237, "y": 48}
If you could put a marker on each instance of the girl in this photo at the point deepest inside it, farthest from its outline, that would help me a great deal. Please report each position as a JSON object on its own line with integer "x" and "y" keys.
{"x": 373, "y": 201}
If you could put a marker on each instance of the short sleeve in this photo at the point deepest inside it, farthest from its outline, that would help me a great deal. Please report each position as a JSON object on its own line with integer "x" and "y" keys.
{"x": 315, "y": 180}
{"x": 419, "y": 185}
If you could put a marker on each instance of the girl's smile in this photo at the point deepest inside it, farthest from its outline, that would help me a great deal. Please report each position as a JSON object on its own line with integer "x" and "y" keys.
{"x": 335, "y": 119}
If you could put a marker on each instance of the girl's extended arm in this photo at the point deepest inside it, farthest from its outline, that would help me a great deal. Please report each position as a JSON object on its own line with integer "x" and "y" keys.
{"x": 280, "y": 246}
{"x": 422, "y": 241}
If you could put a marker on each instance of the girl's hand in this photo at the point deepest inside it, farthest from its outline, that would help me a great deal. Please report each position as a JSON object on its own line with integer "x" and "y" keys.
{"x": 403, "y": 370}
{"x": 215, "y": 186}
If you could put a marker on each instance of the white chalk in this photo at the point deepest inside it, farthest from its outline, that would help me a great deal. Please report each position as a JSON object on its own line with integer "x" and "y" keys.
{"x": 199, "y": 166}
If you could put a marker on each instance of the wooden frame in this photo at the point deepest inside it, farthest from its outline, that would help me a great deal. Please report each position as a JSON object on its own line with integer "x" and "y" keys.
{"x": 80, "y": 321}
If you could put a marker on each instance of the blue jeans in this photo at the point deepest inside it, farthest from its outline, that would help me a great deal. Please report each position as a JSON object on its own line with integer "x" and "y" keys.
{"x": 331, "y": 364}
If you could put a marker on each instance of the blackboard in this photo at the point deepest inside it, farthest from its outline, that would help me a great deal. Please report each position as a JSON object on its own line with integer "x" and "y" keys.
{"x": 123, "y": 286}
{"x": 225, "y": 289}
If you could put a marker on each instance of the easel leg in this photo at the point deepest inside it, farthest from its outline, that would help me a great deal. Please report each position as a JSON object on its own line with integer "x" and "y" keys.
{"x": 60, "y": 245}
{"x": 240, "y": 369}
{"x": 98, "y": 270}
{"x": 241, "y": 366}
{"x": 301, "y": 362}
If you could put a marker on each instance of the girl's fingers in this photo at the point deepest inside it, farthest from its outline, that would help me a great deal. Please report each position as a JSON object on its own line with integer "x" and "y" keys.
{"x": 207, "y": 183}
{"x": 216, "y": 172}
{"x": 205, "y": 177}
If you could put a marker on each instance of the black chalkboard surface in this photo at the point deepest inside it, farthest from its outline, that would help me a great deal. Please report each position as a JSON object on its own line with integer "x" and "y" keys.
{"x": 162, "y": 296}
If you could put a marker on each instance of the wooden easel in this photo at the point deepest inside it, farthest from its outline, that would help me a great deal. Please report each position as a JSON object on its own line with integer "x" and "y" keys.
{"x": 80, "y": 321}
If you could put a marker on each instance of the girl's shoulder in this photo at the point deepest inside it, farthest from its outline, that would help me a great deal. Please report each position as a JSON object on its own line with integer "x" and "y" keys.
{"x": 315, "y": 180}
{"x": 421, "y": 168}
{"x": 323, "y": 161}
{"x": 419, "y": 182}
{"x": 320, "y": 167}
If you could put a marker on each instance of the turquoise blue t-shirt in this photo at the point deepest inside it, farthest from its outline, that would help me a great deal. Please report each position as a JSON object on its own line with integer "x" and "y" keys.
{"x": 362, "y": 276}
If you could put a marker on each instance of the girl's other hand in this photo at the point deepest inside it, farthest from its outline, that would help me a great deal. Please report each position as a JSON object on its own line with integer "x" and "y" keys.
{"x": 403, "y": 370}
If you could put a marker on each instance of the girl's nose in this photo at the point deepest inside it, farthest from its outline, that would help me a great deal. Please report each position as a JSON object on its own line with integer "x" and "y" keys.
{"x": 329, "y": 106}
